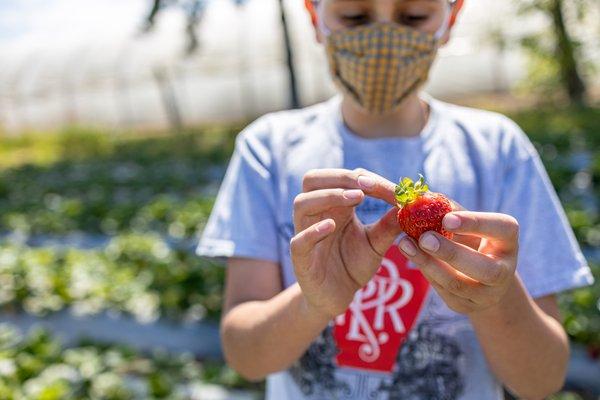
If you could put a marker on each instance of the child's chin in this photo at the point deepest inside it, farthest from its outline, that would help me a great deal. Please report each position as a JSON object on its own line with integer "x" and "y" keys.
{"x": 365, "y": 109}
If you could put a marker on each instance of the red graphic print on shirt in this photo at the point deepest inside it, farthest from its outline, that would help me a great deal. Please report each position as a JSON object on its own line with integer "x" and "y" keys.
{"x": 382, "y": 313}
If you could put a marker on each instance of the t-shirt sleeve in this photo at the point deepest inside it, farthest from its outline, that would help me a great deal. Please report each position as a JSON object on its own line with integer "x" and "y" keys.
{"x": 550, "y": 259}
{"x": 242, "y": 222}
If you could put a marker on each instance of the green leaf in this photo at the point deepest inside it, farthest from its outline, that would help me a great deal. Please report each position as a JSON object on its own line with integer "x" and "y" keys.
{"x": 407, "y": 190}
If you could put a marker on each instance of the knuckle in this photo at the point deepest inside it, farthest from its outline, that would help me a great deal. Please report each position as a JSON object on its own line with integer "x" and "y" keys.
{"x": 294, "y": 244}
{"x": 335, "y": 195}
{"x": 329, "y": 197}
{"x": 456, "y": 285}
{"x": 513, "y": 227}
{"x": 474, "y": 223}
{"x": 353, "y": 177}
{"x": 496, "y": 272}
{"x": 421, "y": 261}
{"x": 359, "y": 171}
{"x": 298, "y": 243}
{"x": 308, "y": 177}
{"x": 450, "y": 253}
{"x": 298, "y": 200}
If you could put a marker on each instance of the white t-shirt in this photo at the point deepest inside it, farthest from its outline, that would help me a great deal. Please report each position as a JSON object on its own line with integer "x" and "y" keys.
{"x": 398, "y": 340}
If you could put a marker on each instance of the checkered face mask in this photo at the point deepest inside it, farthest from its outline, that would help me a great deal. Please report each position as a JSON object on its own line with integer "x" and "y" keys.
{"x": 380, "y": 64}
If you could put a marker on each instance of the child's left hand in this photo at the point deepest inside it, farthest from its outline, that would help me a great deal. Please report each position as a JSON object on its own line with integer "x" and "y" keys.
{"x": 473, "y": 271}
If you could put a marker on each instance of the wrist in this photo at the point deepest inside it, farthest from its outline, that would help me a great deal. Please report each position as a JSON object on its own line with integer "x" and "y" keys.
{"x": 514, "y": 297}
{"x": 310, "y": 312}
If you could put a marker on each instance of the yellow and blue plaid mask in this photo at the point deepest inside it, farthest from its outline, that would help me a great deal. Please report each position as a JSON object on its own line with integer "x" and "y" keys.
{"x": 380, "y": 64}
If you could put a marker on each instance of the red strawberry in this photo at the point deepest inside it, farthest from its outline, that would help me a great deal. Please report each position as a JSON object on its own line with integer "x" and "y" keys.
{"x": 421, "y": 210}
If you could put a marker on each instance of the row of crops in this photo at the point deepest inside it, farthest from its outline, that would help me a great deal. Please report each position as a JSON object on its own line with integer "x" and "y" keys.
{"x": 37, "y": 366}
{"x": 109, "y": 223}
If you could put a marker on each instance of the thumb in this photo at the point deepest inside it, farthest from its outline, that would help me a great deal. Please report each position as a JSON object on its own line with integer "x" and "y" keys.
{"x": 382, "y": 233}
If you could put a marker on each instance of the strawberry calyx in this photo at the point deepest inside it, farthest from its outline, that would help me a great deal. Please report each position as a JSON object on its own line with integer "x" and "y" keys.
{"x": 408, "y": 191}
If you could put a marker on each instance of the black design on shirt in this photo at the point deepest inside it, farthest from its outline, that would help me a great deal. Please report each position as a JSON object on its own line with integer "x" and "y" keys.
{"x": 427, "y": 367}
{"x": 314, "y": 371}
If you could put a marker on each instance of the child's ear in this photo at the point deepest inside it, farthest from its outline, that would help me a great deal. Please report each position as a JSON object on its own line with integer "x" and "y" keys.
{"x": 456, "y": 7}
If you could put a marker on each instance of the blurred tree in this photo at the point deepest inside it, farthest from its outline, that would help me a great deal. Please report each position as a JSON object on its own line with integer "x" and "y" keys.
{"x": 564, "y": 49}
{"x": 294, "y": 98}
{"x": 194, "y": 10}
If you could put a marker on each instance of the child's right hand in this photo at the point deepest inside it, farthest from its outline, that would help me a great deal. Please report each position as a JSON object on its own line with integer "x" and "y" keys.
{"x": 333, "y": 253}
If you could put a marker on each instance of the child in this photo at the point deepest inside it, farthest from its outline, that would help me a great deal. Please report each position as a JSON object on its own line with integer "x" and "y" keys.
{"x": 324, "y": 295}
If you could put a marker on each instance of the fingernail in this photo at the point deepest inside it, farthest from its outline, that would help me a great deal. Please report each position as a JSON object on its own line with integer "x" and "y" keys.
{"x": 408, "y": 248}
{"x": 366, "y": 182}
{"x": 451, "y": 221}
{"x": 353, "y": 194}
{"x": 429, "y": 242}
{"x": 324, "y": 226}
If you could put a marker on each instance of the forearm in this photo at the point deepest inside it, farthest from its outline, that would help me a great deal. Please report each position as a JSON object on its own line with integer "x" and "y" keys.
{"x": 262, "y": 337}
{"x": 526, "y": 348}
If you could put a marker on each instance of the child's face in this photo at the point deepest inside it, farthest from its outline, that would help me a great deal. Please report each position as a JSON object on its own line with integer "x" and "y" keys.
{"x": 424, "y": 15}
{"x": 380, "y": 51}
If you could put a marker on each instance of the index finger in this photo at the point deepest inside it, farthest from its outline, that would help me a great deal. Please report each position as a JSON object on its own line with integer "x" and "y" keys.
{"x": 501, "y": 228}
{"x": 370, "y": 183}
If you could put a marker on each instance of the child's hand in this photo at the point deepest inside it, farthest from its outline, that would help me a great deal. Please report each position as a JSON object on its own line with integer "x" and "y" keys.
{"x": 333, "y": 253}
{"x": 474, "y": 271}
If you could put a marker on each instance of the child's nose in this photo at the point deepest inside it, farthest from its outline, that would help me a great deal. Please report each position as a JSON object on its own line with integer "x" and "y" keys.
{"x": 385, "y": 10}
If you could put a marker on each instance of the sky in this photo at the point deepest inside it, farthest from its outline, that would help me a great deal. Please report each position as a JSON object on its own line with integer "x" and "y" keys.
{"x": 28, "y": 21}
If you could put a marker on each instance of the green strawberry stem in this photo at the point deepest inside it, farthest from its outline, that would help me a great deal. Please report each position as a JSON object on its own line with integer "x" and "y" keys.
{"x": 408, "y": 191}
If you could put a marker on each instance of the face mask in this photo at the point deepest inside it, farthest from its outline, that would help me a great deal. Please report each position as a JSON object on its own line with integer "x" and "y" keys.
{"x": 380, "y": 64}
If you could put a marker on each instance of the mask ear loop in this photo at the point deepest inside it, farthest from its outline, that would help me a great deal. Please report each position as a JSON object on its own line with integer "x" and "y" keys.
{"x": 318, "y": 4}
{"x": 446, "y": 24}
